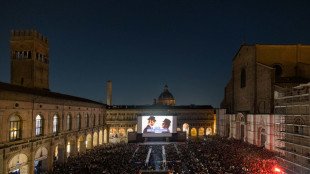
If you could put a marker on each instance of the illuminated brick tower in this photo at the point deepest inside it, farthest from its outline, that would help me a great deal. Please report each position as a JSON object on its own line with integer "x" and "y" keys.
{"x": 29, "y": 59}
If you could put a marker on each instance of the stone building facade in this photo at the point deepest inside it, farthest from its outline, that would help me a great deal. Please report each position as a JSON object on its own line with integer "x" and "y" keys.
{"x": 40, "y": 128}
{"x": 195, "y": 120}
{"x": 249, "y": 100}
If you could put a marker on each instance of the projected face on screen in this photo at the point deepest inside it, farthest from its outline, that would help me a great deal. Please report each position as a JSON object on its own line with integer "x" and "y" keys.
{"x": 157, "y": 124}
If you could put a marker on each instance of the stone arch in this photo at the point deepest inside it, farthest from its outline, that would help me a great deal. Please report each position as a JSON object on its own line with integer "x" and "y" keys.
{"x": 70, "y": 148}
{"x": 41, "y": 160}
{"x": 95, "y": 139}
{"x": 100, "y": 137}
{"x": 299, "y": 121}
{"x": 105, "y": 136}
{"x": 81, "y": 144}
{"x": 186, "y": 128}
{"x": 41, "y": 153}
{"x": 298, "y": 128}
{"x": 88, "y": 141}
{"x": 121, "y": 133}
{"x": 113, "y": 132}
{"x": 19, "y": 163}
{"x": 193, "y": 132}
{"x": 129, "y": 130}
{"x": 201, "y": 131}
{"x": 209, "y": 131}
{"x": 240, "y": 117}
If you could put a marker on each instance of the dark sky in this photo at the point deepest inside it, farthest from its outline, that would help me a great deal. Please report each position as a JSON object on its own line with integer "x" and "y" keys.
{"x": 143, "y": 45}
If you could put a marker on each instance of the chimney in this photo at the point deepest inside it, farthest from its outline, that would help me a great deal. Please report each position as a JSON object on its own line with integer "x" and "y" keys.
{"x": 109, "y": 93}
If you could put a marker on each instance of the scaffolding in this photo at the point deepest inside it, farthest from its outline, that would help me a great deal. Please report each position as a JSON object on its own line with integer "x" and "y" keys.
{"x": 293, "y": 128}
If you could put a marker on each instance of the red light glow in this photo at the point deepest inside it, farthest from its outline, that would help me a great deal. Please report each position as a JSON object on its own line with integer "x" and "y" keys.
{"x": 277, "y": 170}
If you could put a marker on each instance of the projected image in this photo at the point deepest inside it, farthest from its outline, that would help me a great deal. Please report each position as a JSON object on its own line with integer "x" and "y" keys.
{"x": 157, "y": 124}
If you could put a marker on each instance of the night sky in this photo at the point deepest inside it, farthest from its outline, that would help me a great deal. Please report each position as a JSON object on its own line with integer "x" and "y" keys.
{"x": 142, "y": 45}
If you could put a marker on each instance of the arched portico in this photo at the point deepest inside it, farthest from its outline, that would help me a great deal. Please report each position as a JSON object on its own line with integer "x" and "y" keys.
{"x": 81, "y": 144}
{"x": 193, "y": 132}
{"x": 209, "y": 131}
{"x": 121, "y": 133}
{"x": 100, "y": 137}
{"x": 41, "y": 160}
{"x": 70, "y": 149}
{"x": 18, "y": 163}
{"x": 59, "y": 153}
{"x": 186, "y": 128}
{"x": 95, "y": 139}
{"x": 88, "y": 141}
{"x": 105, "y": 136}
{"x": 201, "y": 131}
{"x": 129, "y": 130}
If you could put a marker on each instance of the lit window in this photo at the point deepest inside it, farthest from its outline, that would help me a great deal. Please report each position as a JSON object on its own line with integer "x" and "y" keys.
{"x": 78, "y": 121}
{"x": 15, "y": 128}
{"x": 55, "y": 124}
{"x": 68, "y": 122}
{"x": 39, "y": 125}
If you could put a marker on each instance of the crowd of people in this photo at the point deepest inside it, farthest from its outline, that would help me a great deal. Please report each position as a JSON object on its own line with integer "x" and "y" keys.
{"x": 217, "y": 155}
{"x": 212, "y": 155}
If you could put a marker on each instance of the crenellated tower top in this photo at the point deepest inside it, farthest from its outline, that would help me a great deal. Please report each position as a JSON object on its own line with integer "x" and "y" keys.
{"x": 29, "y": 59}
{"x": 28, "y": 35}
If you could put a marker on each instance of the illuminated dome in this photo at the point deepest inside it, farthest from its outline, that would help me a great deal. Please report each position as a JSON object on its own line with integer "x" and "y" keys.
{"x": 166, "y": 98}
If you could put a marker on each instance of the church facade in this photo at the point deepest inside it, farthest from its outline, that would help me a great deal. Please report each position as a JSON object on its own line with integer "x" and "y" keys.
{"x": 260, "y": 73}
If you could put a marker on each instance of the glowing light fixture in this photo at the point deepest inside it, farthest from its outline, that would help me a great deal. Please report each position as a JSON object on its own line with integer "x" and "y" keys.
{"x": 276, "y": 169}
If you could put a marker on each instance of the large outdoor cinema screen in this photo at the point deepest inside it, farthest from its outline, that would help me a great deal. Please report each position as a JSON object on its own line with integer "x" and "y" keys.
{"x": 157, "y": 125}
